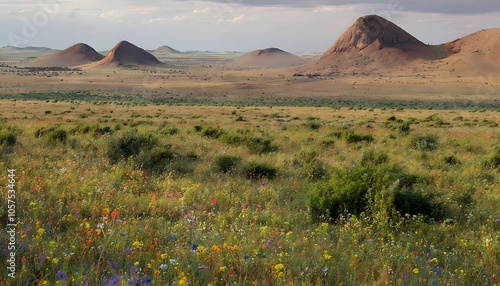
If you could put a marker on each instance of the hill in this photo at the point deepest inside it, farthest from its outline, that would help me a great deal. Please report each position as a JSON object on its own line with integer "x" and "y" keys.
{"x": 76, "y": 55}
{"x": 373, "y": 43}
{"x": 271, "y": 57}
{"x": 165, "y": 50}
{"x": 126, "y": 54}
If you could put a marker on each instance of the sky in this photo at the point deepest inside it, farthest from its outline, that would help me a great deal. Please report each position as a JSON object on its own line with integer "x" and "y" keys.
{"x": 230, "y": 25}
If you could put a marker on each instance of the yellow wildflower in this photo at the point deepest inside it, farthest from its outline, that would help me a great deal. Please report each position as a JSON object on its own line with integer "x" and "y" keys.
{"x": 279, "y": 267}
{"x": 415, "y": 271}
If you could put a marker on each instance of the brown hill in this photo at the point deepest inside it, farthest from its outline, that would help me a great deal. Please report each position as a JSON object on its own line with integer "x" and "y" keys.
{"x": 76, "y": 55}
{"x": 165, "y": 50}
{"x": 125, "y": 54}
{"x": 475, "y": 53}
{"x": 373, "y": 43}
{"x": 270, "y": 58}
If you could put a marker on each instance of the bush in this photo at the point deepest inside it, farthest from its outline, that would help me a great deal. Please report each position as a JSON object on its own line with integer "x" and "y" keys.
{"x": 493, "y": 161}
{"x": 312, "y": 167}
{"x": 451, "y": 160}
{"x": 374, "y": 157}
{"x": 257, "y": 145}
{"x": 404, "y": 128}
{"x": 52, "y": 134}
{"x": 226, "y": 163}
{"x": 256, "y": 171}
{"x": 156, "y": 160}
{"x": 129, "y": 144}
{"x": 8, "y": 138}
{"x": 426, "y": 142}
{"x": 370, "y": 190}
{"x": 351, "y": 137}
{"x": 409, "y": 202}
{"x": 231, "y": 139}
{"x": 96, "y": 130}
{"x": 213, "y": 132}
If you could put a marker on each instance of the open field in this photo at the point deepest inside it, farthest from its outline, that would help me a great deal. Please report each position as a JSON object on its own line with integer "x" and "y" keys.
{"x": 271, "y": 87}
{"x": 114, "y": 191}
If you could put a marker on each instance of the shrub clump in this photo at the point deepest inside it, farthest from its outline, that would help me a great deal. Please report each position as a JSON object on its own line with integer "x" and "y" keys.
{"x": 129, "y": 144}
{"x": 355, "y": 138}
{"x": 374, "y": 158}
{"x": 258, "y": 145}
{"x": 213, "y": 132}
{"x": 371, "y": 190}
{"x": 226, "y": 163}
{"x": 8, "y": 138}
{"x": 312, "y": 167}
{"x": 256, "y": 171}
{"x": 426, "y": 142}
{"x": 52, "y": 134}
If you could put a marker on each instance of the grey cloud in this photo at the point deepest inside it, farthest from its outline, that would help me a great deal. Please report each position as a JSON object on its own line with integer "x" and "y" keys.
{"x": 424, "y": 6}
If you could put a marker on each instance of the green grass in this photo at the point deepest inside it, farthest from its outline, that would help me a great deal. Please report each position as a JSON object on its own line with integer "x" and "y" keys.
{"x": 139, "y": 192}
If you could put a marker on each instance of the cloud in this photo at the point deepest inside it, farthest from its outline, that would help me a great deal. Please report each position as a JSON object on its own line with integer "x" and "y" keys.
{"x": 423, "y": 6}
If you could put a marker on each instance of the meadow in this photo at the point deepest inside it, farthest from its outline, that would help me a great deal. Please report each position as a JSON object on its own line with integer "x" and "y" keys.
{"x": 117, "y": 193}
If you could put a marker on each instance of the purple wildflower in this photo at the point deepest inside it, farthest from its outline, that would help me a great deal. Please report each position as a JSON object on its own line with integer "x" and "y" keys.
{"x": 61, "y": 275}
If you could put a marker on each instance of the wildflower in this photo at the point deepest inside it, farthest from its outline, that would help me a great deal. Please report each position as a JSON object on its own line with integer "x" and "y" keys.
{"x": 435, "y": 260}
{"x": 128, "y": 251}
{"x": 326, "y": 256}
{"x": 113, "y": 264}
{"x": 145, "y": 280}
{"x": 279, "y": 267}
{"x": 55, "y": 261}
{"x": 222, "y": 268}
{"x": 136, "y": 263}
{"x": 137, "y": 244}
{"x": 325, "y": 270}
{"x": 61, "y": 275}
{"x": 43, "y": 257}
{"x": 163, "y": 267}
{"x": 115, "y": 214}
{"x": 194, "y": 247}
{"x": 113, "y": 281}
{"x": 40, "y": 232}
{"x": 173, "y": 261}
{"x": 415, "y": 271}
{"x": 201, "y": 248}
{"x": 246, "y": 257}
{"x": 149, "y": 265}
{"x": 163, "y": 256}
{"x": 100, "y": 225}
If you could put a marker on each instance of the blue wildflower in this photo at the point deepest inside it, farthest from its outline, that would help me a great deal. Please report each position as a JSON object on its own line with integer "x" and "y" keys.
{"x": 61, "y": 275}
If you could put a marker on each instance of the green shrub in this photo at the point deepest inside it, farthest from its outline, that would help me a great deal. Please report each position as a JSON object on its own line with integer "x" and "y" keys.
{"x": 156, "y": 160}
{"x": 370, "y": 190}
{"x": 8, "y": 138}
{"x": 52, "y": 134}
{"x": 351, "y": 137}
{"x": 451, "y": 160}
{"x": 493, "y": 161}
{"x": 426, "y": 142}
{"x": 256, "y": 171}
{"x": 213, "y": 132}
{"x": 374, "y": 157}
{"x": 232, "y": 139}
{"x": 409, "y": 202}
{"x": 258, "y": 145}
{"x": 312, "y": 167}
{"x": 404, "y": 128}
{"x": 129, "y": 144}
{"x": 226, "y": 163}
